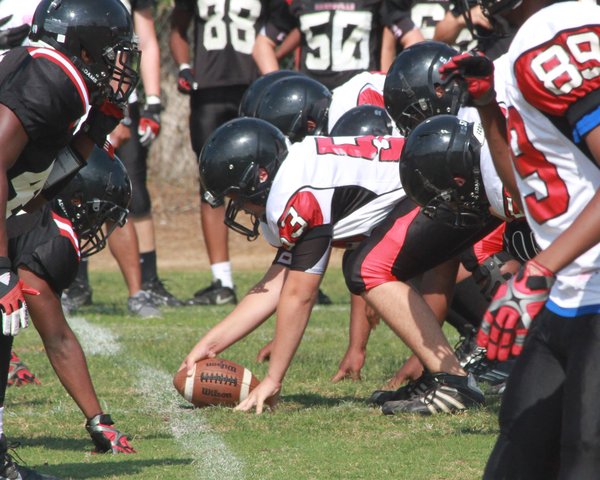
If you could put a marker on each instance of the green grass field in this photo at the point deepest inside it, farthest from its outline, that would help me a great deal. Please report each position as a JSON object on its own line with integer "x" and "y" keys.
{"x": 320, "y": 430}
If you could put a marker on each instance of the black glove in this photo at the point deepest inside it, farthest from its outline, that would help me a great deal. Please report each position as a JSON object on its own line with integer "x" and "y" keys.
{"x": 149, "y": 125}
{"x": 185, "y": 80}
{"x": 101, "y": 120}
{"x": 12, "y": 37}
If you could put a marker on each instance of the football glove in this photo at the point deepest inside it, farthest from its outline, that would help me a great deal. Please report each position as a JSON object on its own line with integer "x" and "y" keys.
{"x": 101, "y": 120}
{"x": 106, "y": 437}
{"x": 476, "y": 72}
{"x": 516, "y": 303}
{"x": 12, "y": 37}
{"x": 12, "y": 301}
{"x": 149, "y": 126}
{"x": 185, "y": 80}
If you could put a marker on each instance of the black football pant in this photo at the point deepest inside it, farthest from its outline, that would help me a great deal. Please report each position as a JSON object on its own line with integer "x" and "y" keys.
{"x": 5, "y": 348}
{"x": 550, "y": 413}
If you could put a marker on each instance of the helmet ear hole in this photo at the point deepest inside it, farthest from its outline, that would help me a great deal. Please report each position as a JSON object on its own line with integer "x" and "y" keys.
{"x": 263, "y": 175}
{"x": 460, "y": 181}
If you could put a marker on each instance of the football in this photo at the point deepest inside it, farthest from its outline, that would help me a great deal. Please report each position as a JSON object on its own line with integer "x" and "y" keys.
{"x": 215, "y": 381}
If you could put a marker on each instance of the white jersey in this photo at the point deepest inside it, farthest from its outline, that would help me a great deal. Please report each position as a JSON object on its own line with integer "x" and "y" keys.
{"x": 366, "y": 88}
{"x": 552, "y": 94}
{"x": 500, "y": 201}
{"x": 349, "y": 183}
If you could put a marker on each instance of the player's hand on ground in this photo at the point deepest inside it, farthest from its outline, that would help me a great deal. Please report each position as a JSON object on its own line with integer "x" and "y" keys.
{"x": 106, "y": 437}
{"x": 264, "y": 354}
{"x": 199, "y": 352}
{"x": 266, "y": 393}
{"x": 476, "y": 72}
{"x": 12, "y": 302}
{"x": 411, "y": 370}
{"x": 515, "y": 305}
{"x": 350, "y": 366}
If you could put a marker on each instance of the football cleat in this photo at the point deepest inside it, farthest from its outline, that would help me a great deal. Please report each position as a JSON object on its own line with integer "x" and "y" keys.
{"x": 323, "y": 298}
{"x": 446, "y": 394}
{"x": 491, "y": 372}
{"x": 106, "y": 437}
{"x": 160, "y": 295}
{"x": 142, "y": 305}
{"x": 76, "y": 296}
{"x": 467, "y": 350}
{"x": 19, "y": 374}
{"x": 405, "y": 392}
{"x": 10, "y": 470}
{"x": 215, "y": 294}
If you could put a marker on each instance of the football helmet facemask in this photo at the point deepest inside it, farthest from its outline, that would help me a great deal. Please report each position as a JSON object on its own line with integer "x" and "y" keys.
{"x": 97, "y": 37}
{"x": 253, "y": 93}
{"x": 363, "y": 120}
{"x": 240, "y": 160}
{"x": 297, "y": 105}
{"x": 99, "y": 193}
{"x": 439, "y": 170}
{"x": 413, "y": 88}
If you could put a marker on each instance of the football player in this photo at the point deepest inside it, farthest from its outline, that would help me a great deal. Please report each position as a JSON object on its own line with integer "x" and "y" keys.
{"x": 222, "y": 70}
{"x": 328, "y": 192}
{"x": 337, "y": 39}
{"x": 547, "y": 314}
{"x": 75, "y": 224}
{"x": 86, "y": 55}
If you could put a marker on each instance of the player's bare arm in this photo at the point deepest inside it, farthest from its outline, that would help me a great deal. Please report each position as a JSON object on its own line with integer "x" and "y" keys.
{"x": 14, "y": 139}
{"x": 256, "y": 307}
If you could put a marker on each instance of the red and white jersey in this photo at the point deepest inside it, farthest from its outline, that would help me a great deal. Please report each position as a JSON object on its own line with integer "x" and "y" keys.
{"x": 365, "y": 88}
{"x": 500, "y": 201}
{"x": 552, "y": 94}
{"x": 346, "y": 182}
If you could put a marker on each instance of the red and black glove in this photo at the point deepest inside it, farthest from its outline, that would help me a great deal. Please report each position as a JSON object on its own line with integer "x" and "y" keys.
{"x": 476, "y": 72}
{"x": 149, "y": 126}
{"x": 12, "y": 37}
{"x": 106, "y": 437}
{"x": 185, "y": 80}
{"x": 101, "y": 120}
{"x": 516, "y": 303}
{"x": 12, "y": 301}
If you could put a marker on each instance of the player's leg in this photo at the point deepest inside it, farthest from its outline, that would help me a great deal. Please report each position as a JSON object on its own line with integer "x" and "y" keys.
{"x": 134, "y": 156}
{"x": 124, "y": 247}
{"x": 528, "y": 446}
{"x": 209, "y": 109}
{"x": 580, "y": 439}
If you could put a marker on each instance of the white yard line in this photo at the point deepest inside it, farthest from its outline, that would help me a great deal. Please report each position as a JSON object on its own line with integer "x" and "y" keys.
{"x": 212, "y": 459}
{"x": 95, "y": 340}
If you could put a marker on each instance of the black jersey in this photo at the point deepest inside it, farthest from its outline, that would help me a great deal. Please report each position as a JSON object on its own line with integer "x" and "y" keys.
{"x": 135, "y": 5}
{"x": 225, "y": 32}
{"x": 342, "y": 38}
{"x": 49, "y": 247}
{"x": 48, "y": 95}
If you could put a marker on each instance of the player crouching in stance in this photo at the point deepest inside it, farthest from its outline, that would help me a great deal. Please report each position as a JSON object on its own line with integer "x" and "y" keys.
{"x": 325, "y": 192}
{"x": 46, "y": 256}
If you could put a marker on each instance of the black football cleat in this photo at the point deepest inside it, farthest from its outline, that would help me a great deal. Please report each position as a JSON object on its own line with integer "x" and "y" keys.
{"x": 159, "y": 293}
{"x": 446, "y": 394}
{"x": 414, "y": 387}
{"x": 215, "y": 294}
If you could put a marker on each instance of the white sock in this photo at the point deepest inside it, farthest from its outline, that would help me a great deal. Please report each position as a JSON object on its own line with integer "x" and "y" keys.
{"x": 1, "y": 420}
{"x": 222, "y": 271}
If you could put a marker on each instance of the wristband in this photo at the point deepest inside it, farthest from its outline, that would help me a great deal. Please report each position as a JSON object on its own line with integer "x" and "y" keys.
{"x": 183, "y": 66}
{"x": 152, "y": 100}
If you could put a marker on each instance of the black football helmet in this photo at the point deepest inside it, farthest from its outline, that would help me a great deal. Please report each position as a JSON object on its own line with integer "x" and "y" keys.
{"x": 252, "y": 95}
{"x": 413, "y": 88}
{"x": 103, "y": 30}
{"x": 439, "y": 170}
{"x": 99, "y": 193}
{"x": 241, "y": 158}
{"x": 363, "y": 120}
{"x": 297, "y": 105}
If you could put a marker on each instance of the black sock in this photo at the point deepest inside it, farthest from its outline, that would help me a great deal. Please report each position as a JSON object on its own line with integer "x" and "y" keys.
{"x": 148, "y": 263}
{"x": 5, "y": 348}
{"x": 82, "y": 272}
